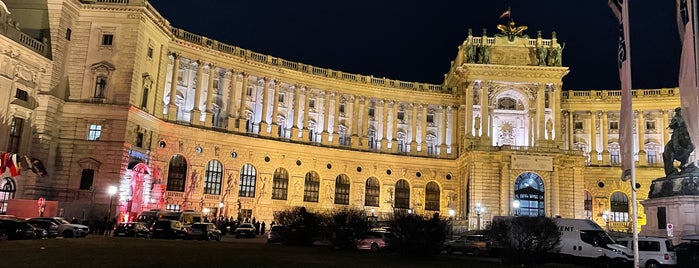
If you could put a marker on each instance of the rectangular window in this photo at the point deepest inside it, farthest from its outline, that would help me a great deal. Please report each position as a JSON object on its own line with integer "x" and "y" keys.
{"x": 149, "y": 52}
{"x": 342, "y": 108}
{"x": 86, "y": 179}
{"x": 371, "y": 112}
{"x": 650, "y": 125}
{"x": 22, "y": 95}
{"x": 249, "y": 92}
{"x": 578, "y": 125}
{"x": 68, "y": 33}
{"x": 144, "y": 98}
{"x": 245, "y": 214}
{"x": 107, "y": 39}
{"x": 311, "y": 104}
{"x": 139, "y": 139}
{"x": 172, "y": 207}
{"x": 281, "y": 98}
{"x": 94, "y": 132}
{"x": 430, "y": 118}
{"x": 100, "y": 86}
{"x": 16, "y": 134}
{"x": 614, "y": 125}
{"x": 401, "y": 115}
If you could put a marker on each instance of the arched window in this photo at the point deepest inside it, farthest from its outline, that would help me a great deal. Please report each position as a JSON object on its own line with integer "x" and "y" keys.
{"x": 432, "y": 196}
{"x": 248, "y": 178}
{"x": 371, "y": 195}
{"x": 529, "y": 191}
{"x": 619, "y": 207}
{"x": 402, "y": 195}
{"x": 214, "y": 173}
{"x": 7, "y": 192}
{"x": 311, "y": 187}
{"x": 176, "y": 173}
{"x": 280, "y": 184}
{"x": 588, "y": 205}
{"x": 507, "y": 103}
{"x": 342, "y": 189}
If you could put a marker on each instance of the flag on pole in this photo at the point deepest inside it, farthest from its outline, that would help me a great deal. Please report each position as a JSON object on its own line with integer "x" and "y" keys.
{"x": 689, "y": 93}
{"x": 620, "y": 9}
{"x": 505, "y": 14}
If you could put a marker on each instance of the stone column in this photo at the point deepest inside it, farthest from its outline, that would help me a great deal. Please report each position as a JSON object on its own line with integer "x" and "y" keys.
{"x": 231, "y": 100}
{"x": 413, "y": 127}
{"x": 363, "y": 131}
{"x": 326, "y": 119}
{"x": 558, "y": 135}
{"x": 484, "y": 113}
{"x": 540, "y": 115}
{"x": 455, "y": 137}
{"x": 264, "y": 123}
{"x": 242, "y": 114}
{"x": 571, "y": 130}
{"x": 304, "y": 122}
{"x": 593, "y": 138}
{"x": 354, "y": 138}
{"x": 443, "y": 144}
{"x": 172, "y": 106}
{"x": 605, "y": 139}
{"x": 394, "y": 130}
{"x": 210, "y": 96}
{"x": 384, "y": 126}
{"x": 297, "y": 113}
{"x": 469, "y": 110}
{"x": 275, "y": 109}
{"x": 196, "y": 112}
{"x": 423, "y": 131}
{"x": 555, "y": 192}
{"x": 336, "y": 120}
{"x": 641, "y": 130}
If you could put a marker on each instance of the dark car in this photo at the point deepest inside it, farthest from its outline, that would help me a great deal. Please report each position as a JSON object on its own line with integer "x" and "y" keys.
{"x": 245, "y": 230}
{"x": 131, "y": 229}
{"x": 167, "y": 229}
{"x": 65, "y": 228}
{"x": 475, "y": 244}
{"x": 50, "y": 227}
{"x": 376, "y": 240}
{"x": 17, "y": 229}
{"x": 204, "y": 231}
{"x": 277, "y": 233}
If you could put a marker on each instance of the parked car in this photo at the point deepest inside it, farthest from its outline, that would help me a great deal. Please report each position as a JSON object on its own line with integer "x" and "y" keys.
{"x": 50, "y": 227}
{"x": 245, "y": 230}
{"x": 168, "y": 229}
{"x": 65, "y": 228}
{"x": 688, "y": 251}
{"x": 16, "y": 229}
{"x": 376, "y": 240}
{"x": 131, "y": 229}
{"x": 277, "y": 233}
{"x": 475, "y": 244}
{"x": 204, "y": 231}
{"x": 653, "y": 252}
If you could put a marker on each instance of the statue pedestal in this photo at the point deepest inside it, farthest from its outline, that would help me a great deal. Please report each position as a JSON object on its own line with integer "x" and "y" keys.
{"x": 673, "y": 200}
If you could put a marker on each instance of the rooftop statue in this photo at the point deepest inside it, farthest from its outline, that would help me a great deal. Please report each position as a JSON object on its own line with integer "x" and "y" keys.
{"x": 511, "y": 30}
{"x": 679, "y": 147}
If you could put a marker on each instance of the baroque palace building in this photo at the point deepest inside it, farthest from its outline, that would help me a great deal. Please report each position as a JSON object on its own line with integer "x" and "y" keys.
{"x": 107, "y": 92}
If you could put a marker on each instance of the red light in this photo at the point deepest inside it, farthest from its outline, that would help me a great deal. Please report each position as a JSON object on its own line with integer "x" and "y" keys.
{"x": 666, "y": 256}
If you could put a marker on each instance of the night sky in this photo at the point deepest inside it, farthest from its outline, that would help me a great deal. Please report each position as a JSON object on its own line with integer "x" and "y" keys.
{"x": 415, "y": 41}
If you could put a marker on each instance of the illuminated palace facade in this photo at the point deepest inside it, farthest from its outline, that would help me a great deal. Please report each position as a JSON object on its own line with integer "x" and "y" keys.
{"x": 115, "y": 95}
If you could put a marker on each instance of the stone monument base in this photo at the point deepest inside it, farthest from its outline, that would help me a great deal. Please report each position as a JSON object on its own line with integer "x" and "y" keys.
{"x": 682, "y": 212}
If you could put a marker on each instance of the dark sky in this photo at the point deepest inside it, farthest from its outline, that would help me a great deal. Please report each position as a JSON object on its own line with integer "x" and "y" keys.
{"x": 415, "y": 40}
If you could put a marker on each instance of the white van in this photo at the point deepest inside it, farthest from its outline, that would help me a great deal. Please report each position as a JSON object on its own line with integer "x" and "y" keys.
{"x": 653, "y": 252}
{"x": 585, "y": 241}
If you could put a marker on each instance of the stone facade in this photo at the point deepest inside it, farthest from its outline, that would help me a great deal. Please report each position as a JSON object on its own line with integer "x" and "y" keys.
{"x": 181, "y": 121}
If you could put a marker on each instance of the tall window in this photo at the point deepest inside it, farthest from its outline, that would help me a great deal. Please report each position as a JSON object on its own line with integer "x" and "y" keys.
{"x": 619, "y": 207}
{"x": 400, "y": 138}
{"x": 431, "y": 144}
{"x": 311, "y": 187}
{"x": 144, "y": 98}
{"x": 373, "y": 143}
{"x": 248, "y": 177}
{"x": 86, "y": 179}
{"x": 94, "y": 132}
{"x": 529, "y": 190}
{"x": 214, "y": 173}
{"x": 107, "y": 39}
{"x": 588, "y": 205}
{"x": 371, "y": 194}
{"x": 177, "y": 173}
{"x": 100, "y": 86}
{"x": 342, "y": 189}
{"x": 402, "y": 194}
{"x": 16, "y": 134}
{"x": 280, "y": 184}
{"x": 432, "y": 196}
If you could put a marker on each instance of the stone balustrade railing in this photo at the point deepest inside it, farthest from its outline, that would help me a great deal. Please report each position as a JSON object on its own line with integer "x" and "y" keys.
{"x": 616, "y": 94}
{"x": 16, "y": 35}
{"x": 267, "y": 59}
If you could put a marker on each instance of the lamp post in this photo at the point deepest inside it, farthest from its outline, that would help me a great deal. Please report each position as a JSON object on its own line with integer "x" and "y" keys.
{"x": 515, "y": 207}
{"x": 479, "y": 209}
{"x": 111, "y": 190}
{"x": 605, "y": 216}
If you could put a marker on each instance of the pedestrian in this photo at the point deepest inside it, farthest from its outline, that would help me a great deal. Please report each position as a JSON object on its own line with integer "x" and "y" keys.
{"x": 109, "y": 227}
{"x": 262, "y": 229}
{"x": 257, "y": 228}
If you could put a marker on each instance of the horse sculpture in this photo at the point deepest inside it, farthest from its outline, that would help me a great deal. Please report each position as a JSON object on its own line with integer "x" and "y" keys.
{"x": 679, "y": 147}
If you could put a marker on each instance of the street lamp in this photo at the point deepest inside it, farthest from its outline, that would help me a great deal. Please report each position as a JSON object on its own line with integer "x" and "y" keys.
{"x": 479, "y": 209}
{"x": 605, "y": 216}
{"x": 111, "y": 190}
{"x": 515, "y": 206}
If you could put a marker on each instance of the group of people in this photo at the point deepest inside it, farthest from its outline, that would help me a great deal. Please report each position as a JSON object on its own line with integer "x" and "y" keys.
{"x": 102, "y": 226}
{"x": 230, "y": 224}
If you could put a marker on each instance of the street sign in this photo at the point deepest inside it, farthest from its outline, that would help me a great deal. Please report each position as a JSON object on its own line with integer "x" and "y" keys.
{"x": 669, "y": 229}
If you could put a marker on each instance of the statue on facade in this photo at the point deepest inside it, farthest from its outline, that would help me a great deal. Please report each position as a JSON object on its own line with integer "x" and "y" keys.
{"x": 679, "y": 147}
{"x": 471, "y": 53}
{"x": 542, "y": 52}
{"x": 486, "y": 54}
